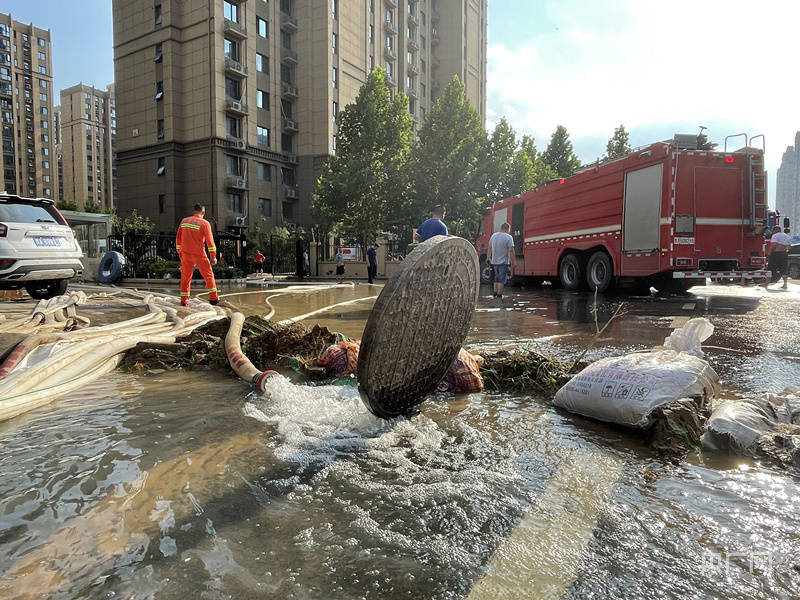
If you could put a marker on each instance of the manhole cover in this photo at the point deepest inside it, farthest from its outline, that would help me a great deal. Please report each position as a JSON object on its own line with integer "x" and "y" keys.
{"x": 417, "y": 325}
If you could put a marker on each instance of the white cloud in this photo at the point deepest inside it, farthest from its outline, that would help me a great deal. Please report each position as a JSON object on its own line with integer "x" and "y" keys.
{"x": 732, "y": 66}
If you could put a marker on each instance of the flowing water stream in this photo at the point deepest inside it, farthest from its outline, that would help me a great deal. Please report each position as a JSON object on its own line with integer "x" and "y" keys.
{"x": 189, "y": 485}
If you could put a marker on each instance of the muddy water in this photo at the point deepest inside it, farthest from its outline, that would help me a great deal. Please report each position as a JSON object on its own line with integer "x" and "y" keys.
{"x": 190, "y": 486}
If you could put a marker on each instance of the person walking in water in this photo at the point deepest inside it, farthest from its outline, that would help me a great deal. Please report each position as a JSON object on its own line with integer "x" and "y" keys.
{"x": 778, "y": 253}
{"x": 194, "y": 236}
{"x": 258, "y": 259}
{"x": 501, "y": 257}
{"x": 433, "y": 226}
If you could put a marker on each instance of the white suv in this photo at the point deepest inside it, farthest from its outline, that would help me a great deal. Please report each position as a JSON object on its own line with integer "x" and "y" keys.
{"x": 37, "y": 248}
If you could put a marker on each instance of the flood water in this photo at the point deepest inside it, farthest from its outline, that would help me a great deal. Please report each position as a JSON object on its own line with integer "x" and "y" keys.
{"x": 189, "y": 485}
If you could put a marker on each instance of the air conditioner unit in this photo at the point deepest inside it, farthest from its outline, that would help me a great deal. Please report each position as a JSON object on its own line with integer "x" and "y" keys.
{"x": 290, "y": 226}
{"x": 237, "y": 106}
{"x": 240, "y": 221}
{"x": 240, "y": 145}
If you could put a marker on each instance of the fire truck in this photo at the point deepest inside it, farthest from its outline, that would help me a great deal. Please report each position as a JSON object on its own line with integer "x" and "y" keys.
{"x": 668, "y": 215}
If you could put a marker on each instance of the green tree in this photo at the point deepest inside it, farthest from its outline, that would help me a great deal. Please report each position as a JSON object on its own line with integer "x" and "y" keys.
{"x": 66, "y": 205}
{"x": 618, "y": 143}
{"x": 446, "y": 163}
{"x": 528, "y": 170}
{"x": 499, "y": 165}
{"x": 363, "y": 182}
{"x": 559, "y": 155}
{"x": 133, "y": 223}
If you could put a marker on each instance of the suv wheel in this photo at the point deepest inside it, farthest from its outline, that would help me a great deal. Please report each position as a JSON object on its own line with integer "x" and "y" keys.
{"x": 47, "y": 288}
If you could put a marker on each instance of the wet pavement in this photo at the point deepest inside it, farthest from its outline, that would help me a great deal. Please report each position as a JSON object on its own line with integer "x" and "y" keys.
{"x": 188, "y": 485}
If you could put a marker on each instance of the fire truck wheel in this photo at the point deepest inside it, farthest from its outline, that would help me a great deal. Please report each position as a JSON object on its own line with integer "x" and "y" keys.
{"x": 570, "y": 272}
{"x": 599, "y": 271}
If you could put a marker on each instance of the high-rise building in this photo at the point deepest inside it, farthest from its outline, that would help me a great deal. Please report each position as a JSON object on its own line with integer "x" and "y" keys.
{"x": 26, "y": 103}
{"x": 787, "y": 188}
{"x": 86, "y": 136}
{"x": 233, "y": 103}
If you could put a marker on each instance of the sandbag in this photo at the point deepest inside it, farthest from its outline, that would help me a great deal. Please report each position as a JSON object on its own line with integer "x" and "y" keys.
{"x": 627, "y": 389}
{"x": 737, "y": 425}
{"x": 690, "y": 337}
{"x": 463, "y": 376}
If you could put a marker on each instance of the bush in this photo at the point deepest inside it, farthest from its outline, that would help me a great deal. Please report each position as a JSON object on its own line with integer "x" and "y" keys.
{"x": 156, "y": 267}
{"x": 226, "y": 272}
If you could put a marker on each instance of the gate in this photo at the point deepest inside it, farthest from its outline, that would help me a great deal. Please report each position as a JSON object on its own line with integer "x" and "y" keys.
{"x": 282, "y": 256}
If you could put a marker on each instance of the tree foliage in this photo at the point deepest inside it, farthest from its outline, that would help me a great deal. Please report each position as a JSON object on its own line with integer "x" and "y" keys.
{"x": 362, "y": 184}
{"x": 447, "y": 163}
{"x": 703, "y": 143}
{"x": 559, "y": 154}
{"x": 133, "y": 223}
{"x": 66, "y": 205}
{"x": 618, "y": 144}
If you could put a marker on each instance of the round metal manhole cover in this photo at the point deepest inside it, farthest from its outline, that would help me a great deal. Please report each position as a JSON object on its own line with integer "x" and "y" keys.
{"x": 417, "y": 325}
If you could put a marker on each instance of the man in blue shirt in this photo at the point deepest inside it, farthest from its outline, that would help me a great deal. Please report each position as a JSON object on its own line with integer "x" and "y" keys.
{"x": 372, "y": 262}
{"x": 433, "y": 226}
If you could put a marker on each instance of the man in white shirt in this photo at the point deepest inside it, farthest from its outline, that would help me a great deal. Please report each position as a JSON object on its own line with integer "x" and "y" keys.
{"x": 778, "y": 253}
{"x": 501, "y": 257}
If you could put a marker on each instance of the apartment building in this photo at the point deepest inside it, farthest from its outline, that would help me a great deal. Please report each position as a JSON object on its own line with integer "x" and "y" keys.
{"x": 87, "y": 128}
{"x": 233, "y": 103}
{"x": 26, "y": 110}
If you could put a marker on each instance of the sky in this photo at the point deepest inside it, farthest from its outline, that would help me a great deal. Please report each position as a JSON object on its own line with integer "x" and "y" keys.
{"x": 658, "y": 68}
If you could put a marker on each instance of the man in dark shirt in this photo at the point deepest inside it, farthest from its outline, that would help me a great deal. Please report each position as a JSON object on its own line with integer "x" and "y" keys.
{"x": 433, "y": 226}
{"x": 372, "y": 262}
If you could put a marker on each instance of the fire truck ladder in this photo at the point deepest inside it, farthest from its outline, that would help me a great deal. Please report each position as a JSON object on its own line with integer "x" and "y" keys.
{"x": 758, "y": 190}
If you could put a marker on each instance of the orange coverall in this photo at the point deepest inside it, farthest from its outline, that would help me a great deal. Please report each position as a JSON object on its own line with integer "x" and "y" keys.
{"x": 194, "y": 234}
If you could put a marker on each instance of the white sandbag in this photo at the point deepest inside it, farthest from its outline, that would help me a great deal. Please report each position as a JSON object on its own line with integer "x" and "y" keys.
{"x": 736, "y": 425}
{"x": 627, "y": 389}
{"x": 690, "y": 337}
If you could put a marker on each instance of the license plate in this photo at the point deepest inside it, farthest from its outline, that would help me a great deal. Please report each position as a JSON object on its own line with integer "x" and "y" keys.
{"x": 47, "y": 241}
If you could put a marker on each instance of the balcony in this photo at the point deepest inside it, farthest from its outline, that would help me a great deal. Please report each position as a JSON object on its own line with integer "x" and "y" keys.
{"x": 412, "y": 68}
{"x": 389, "y": 53}
{"x": 292, "y": 159}
{"x": 288, "y": 23}
{"x": 288, "y": 56}
{"x": 237, "y": 144}
{"x": 390, "y": 27}
{"x": 236, "y": 183}
{"x": 412, "y": 44}
{"x": 233, "y": 67}
{"x": 235, "y": 106}
{"x": 291, "y": 192}
{"x": 288, "y": 90}
{"x": 290, "y": 125}
{"x": 235, "y": 30}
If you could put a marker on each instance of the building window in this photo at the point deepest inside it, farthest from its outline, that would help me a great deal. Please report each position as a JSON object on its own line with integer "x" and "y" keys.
{"x": 43, "y": 110}
{"x": 422, "y": 113}
{"x": 45, "y": 151}
{"x": 287, "y": 73}
{"x": 161, "y": 167}
{"x": 160, "y": 129}
{"x": 159, "y": 53}
{"x": 265, "y": 207}
{"x": 45, "y": 124}
{"x": 288, "y": 211}
{"x": 335, "y": 9}
{"x": 231, "y": 49}
{"x": 233, "y": 166}
{"x": 159, "y": 90}
{"x": 422, "y": 66}
{"x": 389, "y": 68}
{"x": 335, "y": 111}
{"x": 230, "y": 11}
{"x": 43, "y": 97}
{"x": 264, "y": 171}
{"x": 422, "y": 41}
{"x": 372, "y": 6}
{"x": 335, "y": 77}
{"x": 287, "y": 7}
{"x": 158, "y": 14}
{"x": 262, "y": 27}
{"x": 422, "y": 90}
{"x": 286, "y": 143}
{"x": 46, "y": 191}
{"x": 46, "y": 178}
{"x": 335, "y": 43}
{"x": 43, "y": 70}
{"x": 262, "y": 99}
{"x": 410, "y": 57}
{"x": 262, "y": 63}
{"x": 371, "y": 63}
{"x": 389, "y": 43}
{"x": 389, "y": 16}
{"x": 233, "y": 88}
{"x": 42, "y": 56}
{"x": 371, "y": 34}
{"x": 262, "y": 136}
{"x": 232, "y": 127}
{"x": 162, "y": 200}
{"x": 235, "y": 203}
{"x": 41, "y": 42}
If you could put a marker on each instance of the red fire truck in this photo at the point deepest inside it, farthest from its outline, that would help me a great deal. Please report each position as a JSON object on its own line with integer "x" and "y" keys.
{"x": 667, "y": 215}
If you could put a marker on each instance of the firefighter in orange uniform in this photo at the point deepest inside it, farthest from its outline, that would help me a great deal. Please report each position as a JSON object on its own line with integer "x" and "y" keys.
{"x": 194, "y": 235}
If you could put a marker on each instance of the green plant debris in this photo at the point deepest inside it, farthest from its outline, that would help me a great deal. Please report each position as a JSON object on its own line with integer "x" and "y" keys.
{"x": 524, "y": 370}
